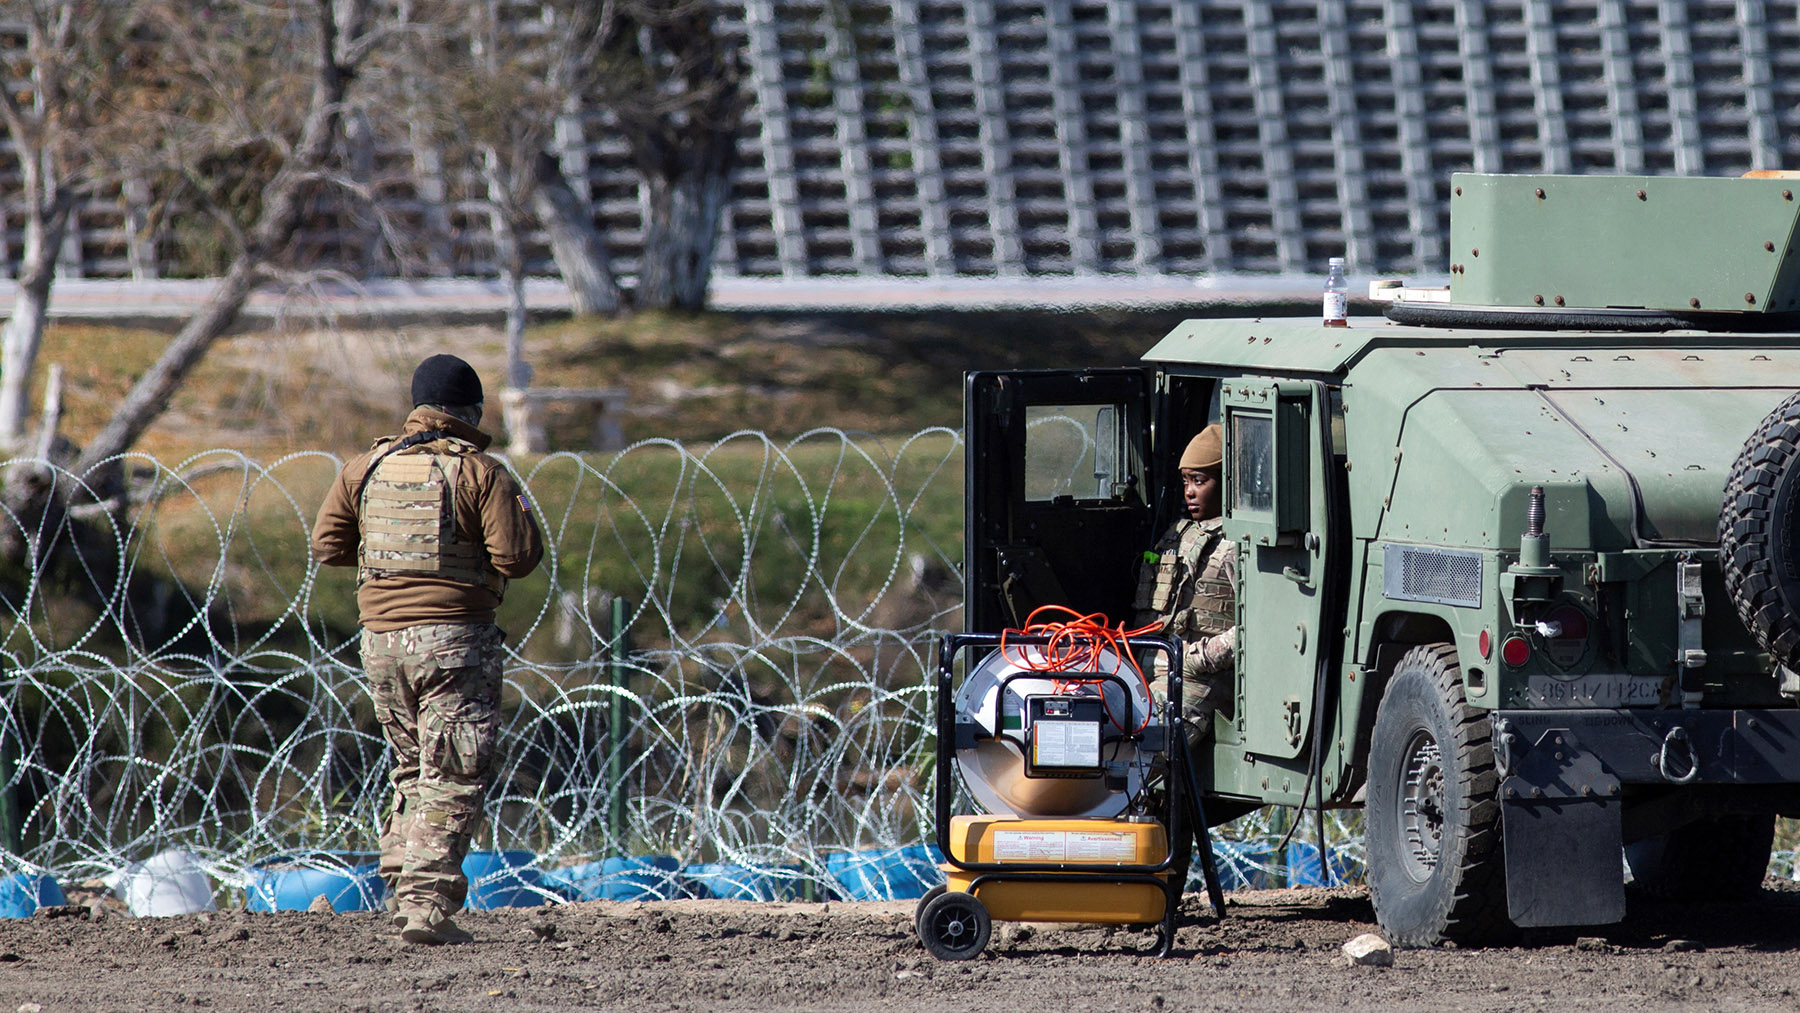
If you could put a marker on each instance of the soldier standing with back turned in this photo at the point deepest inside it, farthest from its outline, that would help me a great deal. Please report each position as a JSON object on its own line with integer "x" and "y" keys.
{"x": 435, "y": 528}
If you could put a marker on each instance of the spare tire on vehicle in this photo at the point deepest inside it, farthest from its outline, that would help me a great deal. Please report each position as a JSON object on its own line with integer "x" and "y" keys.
{"x": 1759, "y": 533}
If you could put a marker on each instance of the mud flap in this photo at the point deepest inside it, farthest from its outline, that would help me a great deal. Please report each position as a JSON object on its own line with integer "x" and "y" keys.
{"x": 1561, "y": 820}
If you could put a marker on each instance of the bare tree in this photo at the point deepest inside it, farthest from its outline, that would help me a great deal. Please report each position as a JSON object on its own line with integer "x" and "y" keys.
{"x": 497, "y": 85}
{"x": 240, "y": 109}
{"x": 230, "y": 116}
{"x": 675, "y": 88}
{"x": 68, "y": 64}
{"x": 498, "y": 88}
{"x": 667, "y": 84}
{"x": 576, "y": 243}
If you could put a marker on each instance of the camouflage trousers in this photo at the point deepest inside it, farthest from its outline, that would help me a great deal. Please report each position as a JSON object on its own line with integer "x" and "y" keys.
{"x": 437, "y": 695}
{"x": 1201, "y": 696}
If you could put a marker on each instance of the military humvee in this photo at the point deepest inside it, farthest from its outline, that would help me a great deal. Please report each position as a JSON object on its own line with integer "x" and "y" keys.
{"x": 1517, "y": 563}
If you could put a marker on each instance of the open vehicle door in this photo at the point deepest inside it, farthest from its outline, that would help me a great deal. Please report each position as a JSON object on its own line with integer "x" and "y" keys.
{"x": 1057, "y": 512}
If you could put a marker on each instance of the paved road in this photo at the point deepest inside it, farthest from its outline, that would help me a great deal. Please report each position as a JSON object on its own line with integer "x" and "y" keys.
{"x": 120, "y": 301}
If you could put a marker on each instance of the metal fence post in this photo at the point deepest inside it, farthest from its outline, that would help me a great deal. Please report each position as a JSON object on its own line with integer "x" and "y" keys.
{"x": 12, "y": 840}
{"x": 616, "y": 731}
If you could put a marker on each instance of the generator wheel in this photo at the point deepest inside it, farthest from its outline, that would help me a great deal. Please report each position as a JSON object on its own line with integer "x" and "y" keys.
{"x": 1436, "y": 866}
{"x": 1759, "y": 533}
{"x": 1719, "y": 858}
{"x": 919, "y": 909}
{"x": 955, "y": 926}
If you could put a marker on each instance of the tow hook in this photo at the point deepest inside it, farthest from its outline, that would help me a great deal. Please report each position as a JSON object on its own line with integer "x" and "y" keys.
{"x": 1677, "y": 739}
{"x": 1504, "y": 741}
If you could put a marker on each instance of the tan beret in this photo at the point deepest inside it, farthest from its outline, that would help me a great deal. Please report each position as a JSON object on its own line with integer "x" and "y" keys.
{"x": 1204, "y": 450}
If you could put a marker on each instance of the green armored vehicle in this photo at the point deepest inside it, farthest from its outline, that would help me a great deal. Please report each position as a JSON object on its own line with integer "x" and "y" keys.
{"x": 1516, "y": 565}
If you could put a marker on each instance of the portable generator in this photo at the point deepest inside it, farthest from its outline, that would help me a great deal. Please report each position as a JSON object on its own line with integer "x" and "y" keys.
{"x": 1085, "y": 786}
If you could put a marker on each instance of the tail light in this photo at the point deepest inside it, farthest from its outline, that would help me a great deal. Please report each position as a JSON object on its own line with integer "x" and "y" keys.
{"x": 1515, "y": 650}
{"x": 1568, "y": 641}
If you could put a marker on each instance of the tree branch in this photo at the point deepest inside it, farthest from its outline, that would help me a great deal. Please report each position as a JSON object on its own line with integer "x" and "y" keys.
{"x": 282, "y": 209}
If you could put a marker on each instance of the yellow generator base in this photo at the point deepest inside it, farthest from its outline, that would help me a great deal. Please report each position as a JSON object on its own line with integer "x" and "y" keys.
{"x": 1090, "y": 844}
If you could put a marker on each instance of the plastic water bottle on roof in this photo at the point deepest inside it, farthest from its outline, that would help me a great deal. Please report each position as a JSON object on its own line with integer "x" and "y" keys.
{"x": 1337, "y": 294}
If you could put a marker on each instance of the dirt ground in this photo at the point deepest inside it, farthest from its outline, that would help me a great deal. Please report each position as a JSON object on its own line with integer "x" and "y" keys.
{"x": 1277, "y": 950}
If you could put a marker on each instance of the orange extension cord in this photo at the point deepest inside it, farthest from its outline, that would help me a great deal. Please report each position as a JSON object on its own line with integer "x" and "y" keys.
{"x": 1076, "y": 645}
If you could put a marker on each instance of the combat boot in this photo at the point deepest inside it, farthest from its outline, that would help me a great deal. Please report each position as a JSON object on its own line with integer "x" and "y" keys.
{"x": 431, "y": 929}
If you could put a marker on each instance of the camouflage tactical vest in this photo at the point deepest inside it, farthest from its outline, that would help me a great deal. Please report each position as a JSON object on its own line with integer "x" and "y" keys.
{"x": 1187, "y": 583}
{"x": 1214, "y": 607}
{"x": 408, "y": 516}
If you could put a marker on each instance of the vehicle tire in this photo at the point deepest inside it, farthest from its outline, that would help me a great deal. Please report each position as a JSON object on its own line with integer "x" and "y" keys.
{"x": 1436, "y": 866}
{"x": 1759, "y": 533}
{"x": 919, "y": 909}
{"x": 1719, "y": 858}
{"x": 955, "y": 926}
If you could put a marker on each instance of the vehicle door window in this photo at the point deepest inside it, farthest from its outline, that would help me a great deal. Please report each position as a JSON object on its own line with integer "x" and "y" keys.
{"x": 1252, "y": 464}
{"x": 1074, "y": 451}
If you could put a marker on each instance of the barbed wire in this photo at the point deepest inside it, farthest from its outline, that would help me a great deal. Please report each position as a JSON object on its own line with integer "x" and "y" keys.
{"x": 722, "y": 664}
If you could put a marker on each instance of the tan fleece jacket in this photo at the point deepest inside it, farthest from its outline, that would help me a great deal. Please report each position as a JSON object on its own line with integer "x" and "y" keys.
{"x": 489, "y": 500}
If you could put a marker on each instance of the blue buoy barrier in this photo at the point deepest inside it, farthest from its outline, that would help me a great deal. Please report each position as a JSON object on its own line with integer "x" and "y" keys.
{"x": 1242, "y": 865}
{"x": 21, "y": 895}
{"x": 507, "y": 879}
{"x": 886, "y": 874}
{"x": 722, "y": 881}
{"x": 349, "y": 881}
{"x": 640, "y": 877}
{"x": 1303, "y": 865}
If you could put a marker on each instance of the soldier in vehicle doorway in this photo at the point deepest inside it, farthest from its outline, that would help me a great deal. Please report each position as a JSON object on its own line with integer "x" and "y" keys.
{"x": 435, "y": 528}
{"x": 1187, "y": 588}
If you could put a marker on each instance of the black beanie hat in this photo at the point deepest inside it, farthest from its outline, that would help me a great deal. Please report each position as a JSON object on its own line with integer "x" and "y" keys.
{"x": 445, "y": 380}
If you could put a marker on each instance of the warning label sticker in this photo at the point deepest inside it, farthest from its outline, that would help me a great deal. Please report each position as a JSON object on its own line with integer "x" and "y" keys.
{"x": 1030, "y": 845}
{"x": 1064, "y": 846}
{"x": 1065, "y": 744}
{"x": 1104, "y": 846}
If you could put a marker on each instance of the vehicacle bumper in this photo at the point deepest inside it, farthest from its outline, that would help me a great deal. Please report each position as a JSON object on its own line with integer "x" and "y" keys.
{"x": 1561, "y": 752}
{"x": 1562, "y": 776}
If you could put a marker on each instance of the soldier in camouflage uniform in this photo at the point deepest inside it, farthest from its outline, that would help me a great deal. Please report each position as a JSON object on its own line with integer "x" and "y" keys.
{"x": 1188, "y": 586}
{"x": 435, "y": 528}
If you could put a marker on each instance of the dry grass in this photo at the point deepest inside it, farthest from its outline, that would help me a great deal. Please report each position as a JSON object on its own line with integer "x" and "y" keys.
{"x": 701, "y": 377}
{"x": 692, "y": 377}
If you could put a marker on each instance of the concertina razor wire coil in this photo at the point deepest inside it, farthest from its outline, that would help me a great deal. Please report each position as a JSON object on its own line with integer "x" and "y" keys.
{"x": 181, "y": 675}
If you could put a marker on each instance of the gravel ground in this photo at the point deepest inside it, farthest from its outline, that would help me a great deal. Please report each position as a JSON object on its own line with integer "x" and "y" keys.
{"x": 1277, "y": 950}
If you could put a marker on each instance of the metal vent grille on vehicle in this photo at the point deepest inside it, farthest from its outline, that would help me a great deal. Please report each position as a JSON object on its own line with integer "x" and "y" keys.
{"x": 1442, "y": 576}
